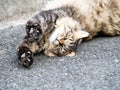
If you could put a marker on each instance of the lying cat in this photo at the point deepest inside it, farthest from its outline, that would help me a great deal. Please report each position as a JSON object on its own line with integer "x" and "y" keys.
{"x": 61, "y": 42}
{"x": 44, "y": 33}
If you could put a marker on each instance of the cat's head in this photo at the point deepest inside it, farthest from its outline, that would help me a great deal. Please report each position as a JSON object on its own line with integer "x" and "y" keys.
{"x": 66, "y": 36}
{"x": 67, "y": 24}
{"x": 66, "y": 27}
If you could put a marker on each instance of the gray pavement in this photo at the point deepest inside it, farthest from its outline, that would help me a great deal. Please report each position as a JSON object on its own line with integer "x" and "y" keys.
{"x": 95, "y": 67}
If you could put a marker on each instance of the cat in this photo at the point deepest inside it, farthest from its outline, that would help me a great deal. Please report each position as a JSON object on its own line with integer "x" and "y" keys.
{"x": 93, "y": 16}
{"x": 61, "y": 42}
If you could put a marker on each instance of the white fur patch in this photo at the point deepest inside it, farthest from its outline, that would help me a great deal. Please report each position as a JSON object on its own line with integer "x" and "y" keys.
{"x": 23, "y": 55}
{"x": 29, "y": 60}
{"x": 28, "y": 52}
{"x": 18, "y": 49}
{"x": 31, "y": 30}
{"x": 37, "y": 31}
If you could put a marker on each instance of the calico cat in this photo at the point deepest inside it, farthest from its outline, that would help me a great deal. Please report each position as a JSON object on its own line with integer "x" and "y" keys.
{"x": 92, "y": 16}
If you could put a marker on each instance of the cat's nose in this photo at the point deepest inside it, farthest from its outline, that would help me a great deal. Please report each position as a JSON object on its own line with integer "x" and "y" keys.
{"x": 61, "y": 41}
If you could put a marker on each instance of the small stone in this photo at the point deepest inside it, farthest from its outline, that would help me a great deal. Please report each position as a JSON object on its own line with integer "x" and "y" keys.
{"x": 18, "y": 49}
{"x": 64, "y": 74}
{"x": 61, "y": 60}
{"x": 116, "y": 60}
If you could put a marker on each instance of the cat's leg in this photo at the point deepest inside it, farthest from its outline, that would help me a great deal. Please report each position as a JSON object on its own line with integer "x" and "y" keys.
{"x": 25, "y": 52}
{"x": 44, "y": 21}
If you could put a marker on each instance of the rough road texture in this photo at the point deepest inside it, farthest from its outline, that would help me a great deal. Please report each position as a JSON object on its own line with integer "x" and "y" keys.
{"x": 15, "y": 8}
{"x": 14, "y": 12}
{"x": 95, "y": 67}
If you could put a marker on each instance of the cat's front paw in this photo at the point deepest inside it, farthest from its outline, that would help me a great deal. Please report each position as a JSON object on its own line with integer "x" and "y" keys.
{"x": 25, "y": 56}
{"x": 71, "y": 54}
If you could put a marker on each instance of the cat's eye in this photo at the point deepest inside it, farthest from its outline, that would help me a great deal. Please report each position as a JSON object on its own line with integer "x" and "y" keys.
{"x": 65, "y": 38}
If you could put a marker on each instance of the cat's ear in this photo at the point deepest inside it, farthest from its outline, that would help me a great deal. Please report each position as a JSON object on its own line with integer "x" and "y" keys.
{"x": 83, "y": 34}
{"x": 80, "y": 34}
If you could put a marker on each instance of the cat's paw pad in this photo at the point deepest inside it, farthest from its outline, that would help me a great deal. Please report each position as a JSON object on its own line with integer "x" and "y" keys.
{"x": 25, "y": 57}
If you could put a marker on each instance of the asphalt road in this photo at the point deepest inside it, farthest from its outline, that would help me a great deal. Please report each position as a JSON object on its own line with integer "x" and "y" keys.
{"x": 95, "y": 67}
